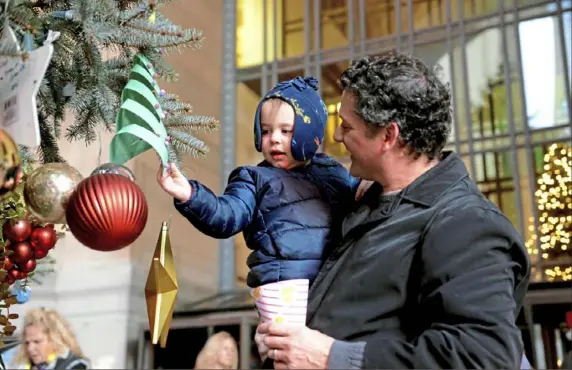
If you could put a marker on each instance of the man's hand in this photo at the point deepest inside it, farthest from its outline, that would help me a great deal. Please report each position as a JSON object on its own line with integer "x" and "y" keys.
{"x": 262, "y": 348}
{"x": 295, "y": 347}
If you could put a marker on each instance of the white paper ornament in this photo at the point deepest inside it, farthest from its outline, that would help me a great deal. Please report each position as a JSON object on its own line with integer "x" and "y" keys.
{"x": 19, "y": 84}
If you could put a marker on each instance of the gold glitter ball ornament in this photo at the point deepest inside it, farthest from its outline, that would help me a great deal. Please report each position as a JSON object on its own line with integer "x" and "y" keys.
{"x": 10, "y": 166}
{"x": 48, "y": 190}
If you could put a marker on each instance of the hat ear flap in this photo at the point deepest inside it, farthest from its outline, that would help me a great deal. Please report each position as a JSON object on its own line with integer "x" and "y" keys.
{"x": 258, "y": 128}
{"x": 298, "y": 139}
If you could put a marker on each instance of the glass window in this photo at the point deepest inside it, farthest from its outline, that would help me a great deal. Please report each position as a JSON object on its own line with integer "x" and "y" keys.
{"x": 251, "y": 31}
{"x": 546, "y": 102}
{"x": 331, "y": 147}
{"x": 286, "y": 37}
{"x": 331, "y": 93}
{"x": 493, "y": 102}
{"x": 294, "y": 41}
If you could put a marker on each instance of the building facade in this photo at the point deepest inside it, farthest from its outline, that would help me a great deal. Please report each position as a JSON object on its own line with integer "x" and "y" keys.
{"x": 509, "y": 67}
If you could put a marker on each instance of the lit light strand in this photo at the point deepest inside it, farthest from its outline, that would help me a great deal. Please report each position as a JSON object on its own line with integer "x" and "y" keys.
{"x": 554, "y": 202}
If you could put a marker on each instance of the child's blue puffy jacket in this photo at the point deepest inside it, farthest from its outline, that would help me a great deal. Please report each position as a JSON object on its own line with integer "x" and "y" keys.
{"x": 289, "y": 217}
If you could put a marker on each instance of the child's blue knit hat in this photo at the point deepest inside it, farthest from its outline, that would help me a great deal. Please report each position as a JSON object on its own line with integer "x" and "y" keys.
{"x": 310, "y": 115}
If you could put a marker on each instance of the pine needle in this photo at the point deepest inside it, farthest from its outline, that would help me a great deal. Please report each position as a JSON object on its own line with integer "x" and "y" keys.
{"x": 191, "y": 124}
{"x": 187, "y": 144}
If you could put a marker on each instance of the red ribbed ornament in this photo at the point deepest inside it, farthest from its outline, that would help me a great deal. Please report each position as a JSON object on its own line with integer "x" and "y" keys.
{"x": 107, "y": 212}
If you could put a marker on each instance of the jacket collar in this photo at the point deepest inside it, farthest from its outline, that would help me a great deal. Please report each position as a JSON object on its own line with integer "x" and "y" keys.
{"x": 428, "y": 187}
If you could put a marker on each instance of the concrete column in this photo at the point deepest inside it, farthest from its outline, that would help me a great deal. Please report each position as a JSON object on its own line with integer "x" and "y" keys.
{"x": 228, "y": 133}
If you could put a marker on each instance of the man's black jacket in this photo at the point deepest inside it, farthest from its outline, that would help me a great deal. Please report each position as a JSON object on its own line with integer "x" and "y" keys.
{"x": 431, "y": 278}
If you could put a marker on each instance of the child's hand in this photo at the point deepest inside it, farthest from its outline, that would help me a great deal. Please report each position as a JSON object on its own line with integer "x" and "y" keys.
{"x": 364, "y": 185}
{"x": 174, "y": 183}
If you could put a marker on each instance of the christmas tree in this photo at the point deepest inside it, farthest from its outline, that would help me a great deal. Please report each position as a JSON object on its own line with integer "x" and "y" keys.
{"x": 94, "y": 44}
{"x": 91, "y": 64}
{"x": 554, "y": 202}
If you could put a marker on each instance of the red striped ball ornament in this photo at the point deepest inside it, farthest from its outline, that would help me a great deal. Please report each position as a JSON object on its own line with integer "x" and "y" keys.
{"x": 107, "y": 212}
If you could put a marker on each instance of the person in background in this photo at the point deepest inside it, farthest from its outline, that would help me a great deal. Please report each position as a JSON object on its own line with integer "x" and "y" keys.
{"x": 48, "y": 343}
{"x": 220, "y": 352}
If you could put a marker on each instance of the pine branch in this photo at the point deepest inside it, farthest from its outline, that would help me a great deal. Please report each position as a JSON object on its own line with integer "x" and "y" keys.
{"x": 191, "y": 124}
{"x": 108, "y": 104}
{"x": 170, "y": 98}
{"x": 139, "y": 34}
{"x": 174, "y": 155}
{"x": 48, "y": 149}
{"x": 187, "y": 144}
{"x": 165, "y": 71}
{"x": 79, "y": 79}
{"x": 86, "y": 108}
{"x": 130, "y": 14}
{"x": 51, "y": 98}
{"x": 174, "y": 106}
{"x": 28, "y": 159}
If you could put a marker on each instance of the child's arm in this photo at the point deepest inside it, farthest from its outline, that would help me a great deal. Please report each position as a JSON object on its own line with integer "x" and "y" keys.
{"x": 221, "y": 217}
{"x": 341, "y": 188}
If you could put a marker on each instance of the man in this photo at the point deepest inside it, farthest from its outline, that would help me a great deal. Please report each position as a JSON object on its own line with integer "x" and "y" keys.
{"x": 429, "y": 273}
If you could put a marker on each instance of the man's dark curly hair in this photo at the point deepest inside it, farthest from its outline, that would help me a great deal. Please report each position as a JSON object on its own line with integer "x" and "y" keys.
{"x": 402, "y": 89}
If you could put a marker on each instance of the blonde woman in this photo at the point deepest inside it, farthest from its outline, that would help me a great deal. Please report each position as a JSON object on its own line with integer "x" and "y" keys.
{"x": 48, "y": 343}
{"x": 220, "y": 352}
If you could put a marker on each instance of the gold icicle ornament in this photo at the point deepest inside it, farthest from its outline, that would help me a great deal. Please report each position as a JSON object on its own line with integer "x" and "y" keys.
{"x": 161, "y": 288}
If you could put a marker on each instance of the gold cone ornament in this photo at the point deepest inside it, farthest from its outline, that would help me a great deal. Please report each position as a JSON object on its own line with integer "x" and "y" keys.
{"x": 161, "y": 288}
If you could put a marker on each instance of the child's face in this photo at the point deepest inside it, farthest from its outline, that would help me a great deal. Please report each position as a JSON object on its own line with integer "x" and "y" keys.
{"x": 277, "y": 124}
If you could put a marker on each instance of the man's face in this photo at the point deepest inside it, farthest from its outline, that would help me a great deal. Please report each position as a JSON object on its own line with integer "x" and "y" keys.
{"x": 277, "y": 124}
{"x": 364, "y": 147}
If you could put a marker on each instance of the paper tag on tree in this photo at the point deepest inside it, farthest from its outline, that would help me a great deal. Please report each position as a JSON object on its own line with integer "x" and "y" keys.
{"x": 19, "y": 84}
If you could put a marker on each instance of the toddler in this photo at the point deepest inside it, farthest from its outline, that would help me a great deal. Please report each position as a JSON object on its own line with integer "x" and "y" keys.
{"x": 290, "y": 206}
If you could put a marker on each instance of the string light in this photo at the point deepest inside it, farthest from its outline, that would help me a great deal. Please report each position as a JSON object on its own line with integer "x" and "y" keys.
{"x": 554, "y": 202}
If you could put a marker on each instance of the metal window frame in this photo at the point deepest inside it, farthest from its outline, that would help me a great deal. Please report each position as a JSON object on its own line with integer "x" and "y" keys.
{"x": 315, "y": 58}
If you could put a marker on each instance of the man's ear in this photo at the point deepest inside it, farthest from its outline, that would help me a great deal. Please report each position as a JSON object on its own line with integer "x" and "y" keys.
{"x": 390, "y": 136}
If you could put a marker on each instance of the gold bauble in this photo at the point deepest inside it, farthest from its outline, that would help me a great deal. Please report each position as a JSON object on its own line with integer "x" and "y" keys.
{"x": 48, "y": 190}
{"x": 10, "y": 169}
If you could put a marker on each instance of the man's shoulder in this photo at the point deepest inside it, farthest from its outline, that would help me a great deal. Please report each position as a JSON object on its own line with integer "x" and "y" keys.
{"x": 465, "y": 201}
{"x": 465, "y": 195}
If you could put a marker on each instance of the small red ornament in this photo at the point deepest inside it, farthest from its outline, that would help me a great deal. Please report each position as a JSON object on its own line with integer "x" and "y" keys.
{"x": 28, "y": 266}
{"x": 8, "y": 265}
{"x": 17, "y": 230}
{"x": 107, "y": 212}
{"x": 14, "y": 274}
{"x": 10, "y": 279}
{"x": 43, "y": 238}
{"x": 22, "y": 252}
{"x": 40, "y": 253}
